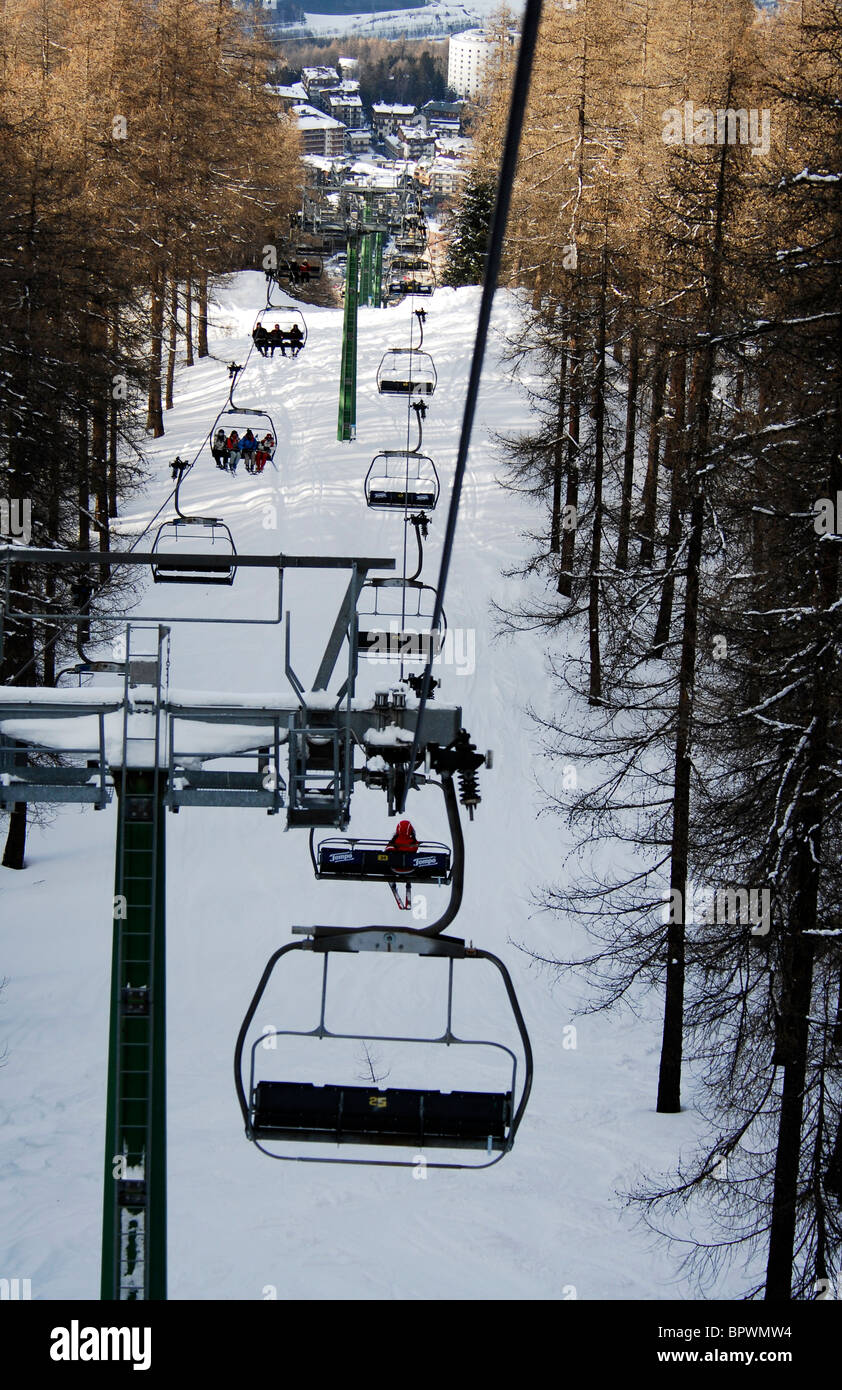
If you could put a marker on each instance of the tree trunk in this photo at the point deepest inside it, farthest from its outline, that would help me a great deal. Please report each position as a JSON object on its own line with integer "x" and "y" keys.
{"x": 51, "y": 633}
{"x": 565, "y": 578}
{"x": 15, "y": 850}
{"x": 112, "y": 428}
{"x": 595, "y": 682}
{"x": 649, "y": 506}
{"x": 171, "y": 347}
{"x": 558, "y": 455}
{"x": 203, "y": 350}
{"x": 674, "y": 457}
{"x": 792, "y": 1048}
{"x": 99, "y": 432}
{"x": 669, "y": 1079}
{"x": 84, "y": 583}
{"x": 189, "y": 360}
{"x": 793, "y": 1039}
{"x": 154, "y": 413}
{"x": 628, "y": 459}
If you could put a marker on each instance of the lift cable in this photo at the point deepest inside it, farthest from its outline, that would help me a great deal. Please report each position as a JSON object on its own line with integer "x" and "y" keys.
{"x": 409, "y": 407}
{"x": 508, "y": 165}
{"x": 172, "y": 496}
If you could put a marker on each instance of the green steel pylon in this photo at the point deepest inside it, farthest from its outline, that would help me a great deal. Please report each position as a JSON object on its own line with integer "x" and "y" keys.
{"x": 134, "y": 1224}
{"x": 348, "y": 372}
{"x": 365, "y": 269}
{"x": 377, "y": 272}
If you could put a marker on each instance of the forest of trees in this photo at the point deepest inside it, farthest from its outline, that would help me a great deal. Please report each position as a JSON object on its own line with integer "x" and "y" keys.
{"x": 676, "y": 228}
{"x": 398, "y": 70}
{"x": 141, "y": 157}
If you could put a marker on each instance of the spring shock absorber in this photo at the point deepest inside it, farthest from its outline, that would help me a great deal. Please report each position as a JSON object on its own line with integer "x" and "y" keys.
{"x": 461, "y": 757}
{"x": 469, "y": 789}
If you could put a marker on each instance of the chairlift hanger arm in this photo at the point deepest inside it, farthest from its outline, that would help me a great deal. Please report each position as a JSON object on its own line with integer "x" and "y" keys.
{"x": 246, "y": 1024}
{"x": 419, "y": 522}
{"x": 522, "y": 1030}
{"x": 420, "y": 408}
{"x": 457, "y": 877}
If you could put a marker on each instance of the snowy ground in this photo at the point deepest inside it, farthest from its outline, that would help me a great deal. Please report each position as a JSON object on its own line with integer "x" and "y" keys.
{"x": 544, "y": 1222}
{"x": 428, "y": 21}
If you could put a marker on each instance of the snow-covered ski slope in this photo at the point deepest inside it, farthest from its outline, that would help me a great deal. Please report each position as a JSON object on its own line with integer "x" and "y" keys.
{"x": 545, "y": 1223}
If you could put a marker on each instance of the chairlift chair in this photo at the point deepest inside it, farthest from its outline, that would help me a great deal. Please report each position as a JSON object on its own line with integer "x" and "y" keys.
{"x": 405, "y": 606}
{"x": 415, "y": 285}
{"x": 194, "y": 550}
{"x": 406, "y": 372}
{"x": 285, "y": 316}
{"x": 241, "y": 419}
{"x": 293, "y": 1113}
{"x": 377, "y": 861}
{"x": 313, "y": 259}
{"x": 401, "y": 478}
{"x": 407, "y": 262}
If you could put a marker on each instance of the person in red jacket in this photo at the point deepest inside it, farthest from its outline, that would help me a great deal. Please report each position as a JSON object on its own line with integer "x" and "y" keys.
{"x": 404, "y": 839}
{"x": 403, "y": 842}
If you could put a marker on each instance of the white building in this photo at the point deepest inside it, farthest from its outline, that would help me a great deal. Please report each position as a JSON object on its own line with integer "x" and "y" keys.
{"x": 467, "y": 60}
{"x": 320, "y": 134}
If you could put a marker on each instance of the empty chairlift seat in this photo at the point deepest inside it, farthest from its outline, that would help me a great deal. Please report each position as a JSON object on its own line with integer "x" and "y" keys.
{"x": 394, "y": 620}
{"x": 400, "y": 478}
{"x": 284, "y": 1111}
{"x": 359, "y": 1114}
{"x": 194, "y": 550}
{"x": 406, "y": 372}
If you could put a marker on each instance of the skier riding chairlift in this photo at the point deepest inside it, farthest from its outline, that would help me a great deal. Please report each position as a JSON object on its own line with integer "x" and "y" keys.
{"x": 403, "y": 842}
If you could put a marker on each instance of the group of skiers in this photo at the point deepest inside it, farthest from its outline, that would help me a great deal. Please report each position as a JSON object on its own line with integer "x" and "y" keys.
{"x": 266, "y": 340}
{"x": 298, "y": 271}
{"x": 228, "y": 449}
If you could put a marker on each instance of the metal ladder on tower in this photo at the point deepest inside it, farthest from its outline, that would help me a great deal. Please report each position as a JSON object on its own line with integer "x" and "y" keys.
{"x": 347, "y": 427}
{"x": 134, "y": 1211}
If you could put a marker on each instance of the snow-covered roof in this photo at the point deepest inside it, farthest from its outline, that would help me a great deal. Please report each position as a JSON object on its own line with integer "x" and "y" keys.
{"x": 383, "y": 108}
{"x": 297, "y": 92}
{"x": 320, "y": 74}
{"x": 311, "y": 119}
{"x": 415, "y": 132}
{"x": 444, "y": 108}
{"x": 351, "y": 86}
{"x": 344, "y": 99}
{"x": 453, "y": 146}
